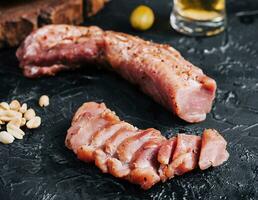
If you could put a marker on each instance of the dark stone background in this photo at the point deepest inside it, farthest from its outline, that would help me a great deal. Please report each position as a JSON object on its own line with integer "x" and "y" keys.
{"x": 40, "y": 167}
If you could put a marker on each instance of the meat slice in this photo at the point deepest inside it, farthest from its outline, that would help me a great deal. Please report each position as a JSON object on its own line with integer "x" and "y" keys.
{"x": 109, "y": 149}
{"x": 142, "y": 157}
{"x": 144, "y": 165}
{"x": 85, "y": 126}
{"x": 165, "y": 154}
{"x": 186, "y": 155}
{"x": 159, "y": 70}
{"x": 86, "y": 152}
{"x": 91, "y": 108}
{"x": 213, "y": 150}
{"x": 128, "y": 147}
{"x": 119, "y": 166}
{"x": 166, "y": 150}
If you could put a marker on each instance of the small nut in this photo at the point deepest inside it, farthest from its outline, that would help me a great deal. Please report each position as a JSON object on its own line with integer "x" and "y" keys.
{"x": 34, "y": 122}
{"x": 23, "y": 108}
{"x": 15, "y": 131}
{"x": 16, "y": 122}
{"x": 1, "y": 122}
{"x": 6, "y": 138}
{"x": 29, "y": 114}
{"x": 15, "y": 105}
{"x": 23, "y": 121}
{"x": 8, "y": 115}
{"x": 4, "y": 106}
{"x": 44, "y": 101}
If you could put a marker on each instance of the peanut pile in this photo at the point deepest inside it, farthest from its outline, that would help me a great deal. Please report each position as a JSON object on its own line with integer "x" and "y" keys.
{"x": 14, "y": 116}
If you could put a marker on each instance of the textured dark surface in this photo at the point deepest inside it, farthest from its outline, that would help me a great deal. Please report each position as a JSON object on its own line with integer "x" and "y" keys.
{"x": 40, "y": 167}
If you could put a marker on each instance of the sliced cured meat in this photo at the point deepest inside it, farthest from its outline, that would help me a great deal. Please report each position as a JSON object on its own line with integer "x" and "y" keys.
{"x": 110, "y": 147}
{"x": 213, "y": 150}
{"x": 144, "y": 165}
{"x": 119, "y": 166}
{"x": 86, "y": 127}
{"x": 112, "y": 143}
{"x": 129, "y": 146}
{"x": 90, "y": 110}
{"x": 165, "y": 156}
{"x": 159, "y": 70}
{"x": 186, "y": 155}
{"x": 86, "y": 152}
{"x": 142, "y": 157}
{"x": 166, "y": 150}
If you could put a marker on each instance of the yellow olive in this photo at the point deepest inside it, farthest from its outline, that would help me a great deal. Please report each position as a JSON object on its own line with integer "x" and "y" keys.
{"x": 142, "y": 18}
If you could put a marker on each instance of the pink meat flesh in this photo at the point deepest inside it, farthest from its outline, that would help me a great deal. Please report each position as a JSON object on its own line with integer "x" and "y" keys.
{"x": 213, "y": 150}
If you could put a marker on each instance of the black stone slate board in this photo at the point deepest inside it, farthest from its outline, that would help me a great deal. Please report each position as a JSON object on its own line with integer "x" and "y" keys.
{"x": 40, "y": 166}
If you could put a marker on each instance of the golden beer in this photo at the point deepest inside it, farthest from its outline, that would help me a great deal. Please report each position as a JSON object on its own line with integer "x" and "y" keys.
{"x": 198, "y": 17}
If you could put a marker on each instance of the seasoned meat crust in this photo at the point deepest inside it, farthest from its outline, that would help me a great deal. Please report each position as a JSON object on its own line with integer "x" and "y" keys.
{"x": 143, "y": 157}
{"x": 159, "y": 70}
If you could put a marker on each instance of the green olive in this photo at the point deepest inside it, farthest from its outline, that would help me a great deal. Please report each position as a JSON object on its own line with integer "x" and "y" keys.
{"x": 142, "y": 18}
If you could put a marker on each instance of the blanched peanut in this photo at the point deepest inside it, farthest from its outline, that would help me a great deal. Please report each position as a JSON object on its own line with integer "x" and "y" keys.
{"x": 44, "y": 101}
{"x": 15, "y": 105}
{"x": 23, "y": 121}
{"x": 4, "y": 106}
{"x": 16, "y": 122}
{"x": 15, "y": 131}
{"x": 34, "y": 122}
{"x": 8, "y": 115}
{"x": 23, "y": 108}
{"x": 6, "y": 138}
{"x": 29, "y": 114}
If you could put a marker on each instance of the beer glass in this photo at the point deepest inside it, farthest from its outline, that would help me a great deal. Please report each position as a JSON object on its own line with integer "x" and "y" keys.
{"x": 199, "y": 17}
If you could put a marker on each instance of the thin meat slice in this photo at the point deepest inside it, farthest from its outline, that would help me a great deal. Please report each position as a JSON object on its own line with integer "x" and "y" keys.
{"x": 213, "y": 150}
{"x": 100, "y": 137}
{"x": 101, "y": 155}
{"x": 166, "y": 150}
{"x": 113, "y": 143}
{"x": 186, "y": 155}
{"x": 144, "y": 165}
{"x": 86, "y": 152}
{"x": 89, "y": 110}
{"x": 159, "y": 70}
{"x": 128, "y": 147}
{"x": 80, "y": 133}
{"x": 87, "y": 128}
{"x": 187, "y": 143}
{"x": 119, "y": 166}
{"x": 165, "y": 154}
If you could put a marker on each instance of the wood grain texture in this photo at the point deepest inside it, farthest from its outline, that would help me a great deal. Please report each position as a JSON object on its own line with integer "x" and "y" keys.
{"x": 18, "y": 19}
{"x": 94, "y": 6}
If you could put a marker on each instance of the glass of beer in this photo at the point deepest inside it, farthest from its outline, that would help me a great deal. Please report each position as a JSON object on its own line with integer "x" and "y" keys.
{"x": 199, "y": 17}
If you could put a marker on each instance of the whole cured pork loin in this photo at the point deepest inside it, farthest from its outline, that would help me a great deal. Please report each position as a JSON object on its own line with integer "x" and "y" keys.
{"x": 159, "y": 70}
{"x": 143, "y": 157}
